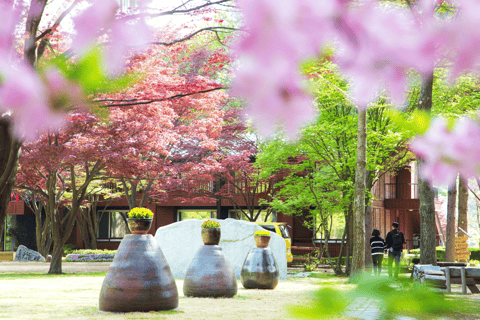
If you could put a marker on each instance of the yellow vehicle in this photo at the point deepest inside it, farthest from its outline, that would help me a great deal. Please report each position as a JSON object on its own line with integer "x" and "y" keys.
{"x": 280, "y": 228}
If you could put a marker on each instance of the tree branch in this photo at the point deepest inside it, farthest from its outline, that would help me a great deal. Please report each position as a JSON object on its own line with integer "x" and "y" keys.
{"x": 214, "y": 29}
{"x": 139, "y": 102}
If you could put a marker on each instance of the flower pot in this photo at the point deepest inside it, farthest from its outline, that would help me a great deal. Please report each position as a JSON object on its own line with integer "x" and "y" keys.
{"x": 262, "y": 241}
{"x": 139, "y": 225}
{"x": 211, "y": 236}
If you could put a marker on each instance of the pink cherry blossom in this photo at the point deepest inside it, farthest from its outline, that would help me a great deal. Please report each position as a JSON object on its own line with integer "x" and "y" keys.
{"x": 9, "y": 18}
{"x": 62, "y": 93}
{"x": 274, "y": 96}
{"x": 377, "y": 47}
{"x": 294, "y": 29}
{"x": 94, "y": 21}
{"x": 125, "y": 33}
{"x": 24, "y": 96}
{"x": 449, "y": 152}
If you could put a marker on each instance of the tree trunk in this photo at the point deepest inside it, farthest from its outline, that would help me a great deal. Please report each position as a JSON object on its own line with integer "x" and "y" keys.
{"x": 9, "y": 155}
{"x": 358, "y": 262}
{"x": 368, "y": 220}
{"x": 56, "y": 264}
{"x": 426, "y": 195}
{"x": 349, "y": 236}
{"x": 462, "y": 207}
{"x": 450, "y": 232}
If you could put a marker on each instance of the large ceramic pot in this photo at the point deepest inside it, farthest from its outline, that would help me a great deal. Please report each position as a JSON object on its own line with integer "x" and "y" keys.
{"x": 210, "y": 274}
{"x": 139, "y": 278}
{"x": 259, "y": 270}
{"x": 262, "y": 241}
{"x": 211, "y": 236}
{"x": 139, "y": 225}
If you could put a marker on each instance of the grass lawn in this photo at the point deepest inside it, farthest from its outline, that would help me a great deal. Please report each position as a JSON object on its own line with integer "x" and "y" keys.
{"x": 75, "y": 296}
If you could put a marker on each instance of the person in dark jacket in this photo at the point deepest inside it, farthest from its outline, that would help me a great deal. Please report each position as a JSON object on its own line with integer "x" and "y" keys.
{"x": 378, "y": 246}
{"x": 394, "y": 244}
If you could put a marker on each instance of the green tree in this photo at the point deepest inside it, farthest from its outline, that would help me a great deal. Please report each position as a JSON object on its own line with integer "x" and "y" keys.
{"x": 327, "y": 152}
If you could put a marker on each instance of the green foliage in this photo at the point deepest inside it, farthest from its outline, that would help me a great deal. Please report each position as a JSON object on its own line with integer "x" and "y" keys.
{"x": 393, "y": 298}
{"x": 474, "y": 253}
{"x": 210, "y": 224}
{"x": 326, "y": 302}
{"x": 69, "y": 248}
{"x": 440, "y": 252}
{"x": 140, "y": 213}
{"x": 318, "y": 170}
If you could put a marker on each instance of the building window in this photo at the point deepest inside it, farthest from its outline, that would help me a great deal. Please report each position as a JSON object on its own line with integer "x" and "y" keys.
{"x": 187, "y": 214}
{"x": 112, "y": 224}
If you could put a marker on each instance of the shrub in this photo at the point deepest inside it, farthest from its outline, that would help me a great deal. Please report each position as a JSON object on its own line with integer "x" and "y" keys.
{"x": 474, "y": 253}
{"x": 68, "y": 248}
{"x": 440, "y": 253}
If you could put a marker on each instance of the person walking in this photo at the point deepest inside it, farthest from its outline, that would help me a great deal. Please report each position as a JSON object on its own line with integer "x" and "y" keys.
{"x": 394, "y": 245}
{"x": 378, "y": 247}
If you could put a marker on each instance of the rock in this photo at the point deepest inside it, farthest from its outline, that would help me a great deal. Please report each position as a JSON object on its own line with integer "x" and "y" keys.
{"x": 181, "y": 240}
{"x": 25, "y": 254}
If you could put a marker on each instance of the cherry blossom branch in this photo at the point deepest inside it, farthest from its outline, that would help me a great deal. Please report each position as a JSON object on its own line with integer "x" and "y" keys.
{"x": 58, "y": 21}
{"x": 177, "y": 96}
{"x": 214, "y": 29}
{"x": 174, "y": 11}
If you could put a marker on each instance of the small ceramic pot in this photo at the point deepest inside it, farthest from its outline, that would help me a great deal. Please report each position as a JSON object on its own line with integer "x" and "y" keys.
{"x": 211, "y": 236}
{"x": 262, "y": 241}
{"x": 139, "y": 225}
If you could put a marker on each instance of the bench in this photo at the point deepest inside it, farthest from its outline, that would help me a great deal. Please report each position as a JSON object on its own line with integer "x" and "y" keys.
{"x": 468, "y": 277}
{"x": 444, "y": 277}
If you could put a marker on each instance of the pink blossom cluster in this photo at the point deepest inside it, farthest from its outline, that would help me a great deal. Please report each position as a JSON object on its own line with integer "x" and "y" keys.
{"x": 377, "y": 45}
{"x": 448, "y": 153}
{"x": 35, "y": 100}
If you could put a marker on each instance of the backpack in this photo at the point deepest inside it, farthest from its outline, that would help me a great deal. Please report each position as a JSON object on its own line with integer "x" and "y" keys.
{"x": 397, "y": 241}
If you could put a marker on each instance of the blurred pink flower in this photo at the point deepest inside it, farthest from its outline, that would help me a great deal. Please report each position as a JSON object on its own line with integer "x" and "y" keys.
{"x": 93, "y": 22}
{"x": 9, "y": 18}
{"x": 125, "y": 33}
{"x": 377, "y": 47}
{"x": 62, "y": 93}
{"x": 274, "y": 96}
{"x": 449, "y": 152}
{"x": 24, "y": 96}
{"x": 294, "y": 29}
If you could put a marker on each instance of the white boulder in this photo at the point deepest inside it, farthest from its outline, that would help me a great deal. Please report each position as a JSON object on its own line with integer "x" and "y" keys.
{"x": 180, "y": 241}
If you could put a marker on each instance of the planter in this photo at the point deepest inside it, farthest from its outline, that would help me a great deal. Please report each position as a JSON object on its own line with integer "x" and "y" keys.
{"x": 139, "y": 278}
{"x": 139, "y": 225}
{"x": 210, "y": 274}
{"x": 260, "y": 269}
{"x": 262, "y": 241}
{"x": 211, "y": 236}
